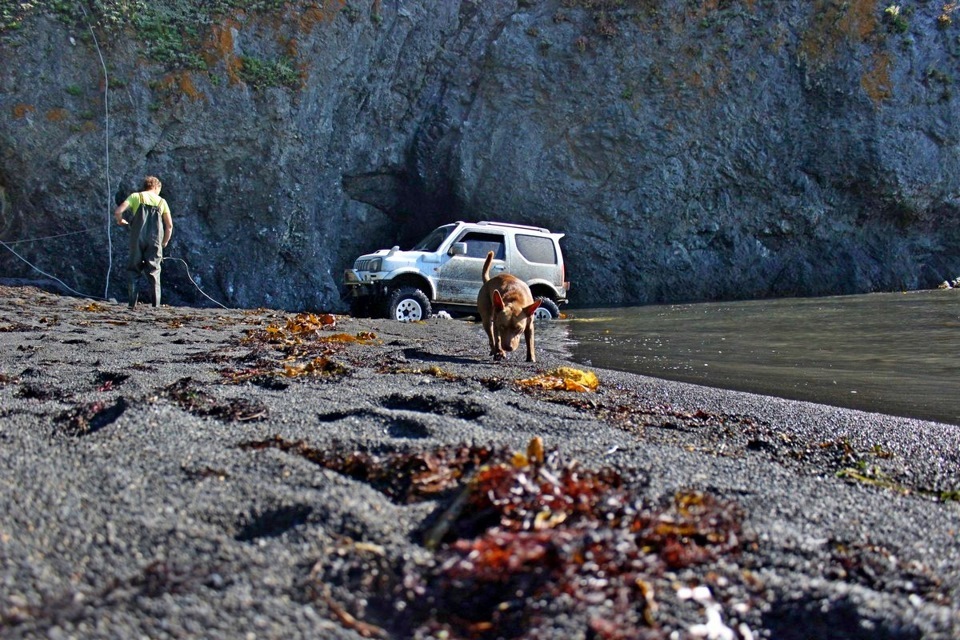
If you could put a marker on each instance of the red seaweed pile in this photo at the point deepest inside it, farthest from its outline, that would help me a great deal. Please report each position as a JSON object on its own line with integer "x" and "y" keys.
{"x": 525, "y": 542}
{"x": 537, "y": 541}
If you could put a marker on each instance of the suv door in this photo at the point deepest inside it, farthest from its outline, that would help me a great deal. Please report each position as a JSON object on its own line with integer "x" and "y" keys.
{"x": 460, "y": 278}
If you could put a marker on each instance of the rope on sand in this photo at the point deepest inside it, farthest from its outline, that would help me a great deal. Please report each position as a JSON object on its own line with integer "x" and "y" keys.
{"x": 84, "y": 295}
{"x": 190, "y": 277}
{"x": 41, "y": 271}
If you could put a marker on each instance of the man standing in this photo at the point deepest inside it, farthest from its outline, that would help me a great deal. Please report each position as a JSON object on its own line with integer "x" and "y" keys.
{"x": 150, "y": 229}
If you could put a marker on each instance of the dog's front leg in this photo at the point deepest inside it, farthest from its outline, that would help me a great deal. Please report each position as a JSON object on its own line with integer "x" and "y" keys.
{"x": 488, "y": 328}
{"x": 528, "y": 334}
{"x": 497, "y": 351}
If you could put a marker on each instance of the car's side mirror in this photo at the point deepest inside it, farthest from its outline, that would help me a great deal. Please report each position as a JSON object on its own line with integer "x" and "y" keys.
{"x": 458, "y": 249}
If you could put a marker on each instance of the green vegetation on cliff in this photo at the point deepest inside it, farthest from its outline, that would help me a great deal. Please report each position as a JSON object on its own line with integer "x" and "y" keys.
{"x": 171, "y": 32}
{"x": 177, "y": 34}
{"x": 111, "y": 14}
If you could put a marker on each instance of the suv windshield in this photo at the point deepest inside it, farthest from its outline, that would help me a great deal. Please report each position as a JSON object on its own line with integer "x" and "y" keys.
{"x": 432, "y": 242}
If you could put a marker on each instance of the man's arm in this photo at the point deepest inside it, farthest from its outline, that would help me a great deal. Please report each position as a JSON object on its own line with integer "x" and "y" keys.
{"x": 167, "y": 227}
{"x": 118, "y": 212}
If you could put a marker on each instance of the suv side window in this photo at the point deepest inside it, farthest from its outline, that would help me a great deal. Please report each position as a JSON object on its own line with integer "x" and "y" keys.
{"x": 479, "y": 244}
{"x": 537, "y": 249}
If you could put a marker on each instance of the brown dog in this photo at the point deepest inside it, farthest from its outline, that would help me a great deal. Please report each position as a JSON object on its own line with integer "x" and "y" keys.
{"x": 506, "y": 309}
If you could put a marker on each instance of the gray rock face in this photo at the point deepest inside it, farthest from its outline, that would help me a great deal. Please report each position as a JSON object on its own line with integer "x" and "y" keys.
{"x": 689, "y": 150}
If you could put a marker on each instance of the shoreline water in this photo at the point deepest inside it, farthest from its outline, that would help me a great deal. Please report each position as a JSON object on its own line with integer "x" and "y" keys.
{"x": 885, "y": 353}
{"x": 173, "y": 473}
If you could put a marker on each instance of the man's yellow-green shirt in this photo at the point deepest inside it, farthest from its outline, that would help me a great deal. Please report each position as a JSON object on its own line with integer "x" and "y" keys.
{"x": 149, "y": 198}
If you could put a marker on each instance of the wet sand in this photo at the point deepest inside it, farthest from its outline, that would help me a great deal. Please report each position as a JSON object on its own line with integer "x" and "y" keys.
{"x": 186, "y": 472}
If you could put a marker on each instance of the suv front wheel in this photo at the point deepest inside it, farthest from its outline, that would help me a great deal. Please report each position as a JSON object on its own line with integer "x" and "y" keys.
{"x": 408, "y": 305}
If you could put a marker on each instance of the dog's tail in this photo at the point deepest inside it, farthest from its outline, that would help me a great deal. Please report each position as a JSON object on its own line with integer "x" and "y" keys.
{"x": 486, "y": 266}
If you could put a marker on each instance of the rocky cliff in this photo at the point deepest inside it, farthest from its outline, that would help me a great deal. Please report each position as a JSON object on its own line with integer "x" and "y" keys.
{"x": 689, "y": 149}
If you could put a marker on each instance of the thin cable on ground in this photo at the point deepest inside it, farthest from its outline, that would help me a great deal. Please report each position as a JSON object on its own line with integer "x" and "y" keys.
{"x": 83, "y": 295}
{"x": 187, "y": 267}
{"x": 41, "y": 271}
{"x": 106, "y": 145}
{"x": 59, "y": 235}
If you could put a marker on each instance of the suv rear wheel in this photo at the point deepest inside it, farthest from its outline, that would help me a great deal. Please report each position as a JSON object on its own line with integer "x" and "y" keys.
{"x": 408, "y": 305}
{"x": 548, "y": 310}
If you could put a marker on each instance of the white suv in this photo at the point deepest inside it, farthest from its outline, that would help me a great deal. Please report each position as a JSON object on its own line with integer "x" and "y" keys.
{"x": 443, "y": 271}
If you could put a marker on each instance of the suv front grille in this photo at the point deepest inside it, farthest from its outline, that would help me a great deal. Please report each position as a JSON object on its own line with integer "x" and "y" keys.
{"x": 363, "y": 265}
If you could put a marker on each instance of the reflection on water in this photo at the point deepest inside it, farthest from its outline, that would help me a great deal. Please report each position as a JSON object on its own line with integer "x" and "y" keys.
{"x": 896, "y": 353}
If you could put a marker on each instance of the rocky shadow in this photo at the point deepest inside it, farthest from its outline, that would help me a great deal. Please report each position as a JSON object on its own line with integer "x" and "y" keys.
{"x": 451, "y": 407}
{"x": 809, "y": 617}
{"x": 426, "y": 356}
{"x": 272, "y": 523}
{"x": 190, "y": 396}
{"x": 89, "y": 417}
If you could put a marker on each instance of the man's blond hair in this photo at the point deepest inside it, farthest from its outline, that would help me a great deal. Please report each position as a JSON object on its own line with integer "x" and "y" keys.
{"x": 150, "y": 182}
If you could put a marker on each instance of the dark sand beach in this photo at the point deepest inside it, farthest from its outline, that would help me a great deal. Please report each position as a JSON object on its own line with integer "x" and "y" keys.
{"x": 202, "y": 473}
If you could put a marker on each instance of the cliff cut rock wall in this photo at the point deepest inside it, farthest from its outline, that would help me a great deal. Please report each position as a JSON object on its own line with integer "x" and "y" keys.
{"x": 689, "y": 149}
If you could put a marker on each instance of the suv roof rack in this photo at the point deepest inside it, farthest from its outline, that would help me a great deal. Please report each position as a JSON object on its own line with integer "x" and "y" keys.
{"x": 515, "y": 226}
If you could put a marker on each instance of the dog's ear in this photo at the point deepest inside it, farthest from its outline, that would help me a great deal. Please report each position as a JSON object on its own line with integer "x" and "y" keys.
{"x": 530, "y": 309}
{"x": 497, "y": 300}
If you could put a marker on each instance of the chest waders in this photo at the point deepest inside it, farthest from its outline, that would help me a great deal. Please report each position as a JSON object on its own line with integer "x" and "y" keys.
{"x": 146, "y": 250}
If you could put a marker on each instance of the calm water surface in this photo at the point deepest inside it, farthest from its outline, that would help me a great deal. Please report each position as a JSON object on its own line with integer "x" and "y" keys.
{"x": 895, "y": 353}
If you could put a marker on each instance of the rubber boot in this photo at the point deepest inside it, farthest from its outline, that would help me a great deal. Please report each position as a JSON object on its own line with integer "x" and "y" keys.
{"x": 132, "y": 293}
